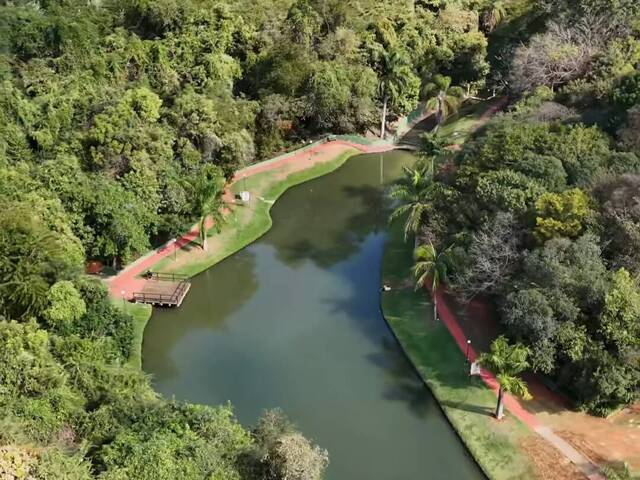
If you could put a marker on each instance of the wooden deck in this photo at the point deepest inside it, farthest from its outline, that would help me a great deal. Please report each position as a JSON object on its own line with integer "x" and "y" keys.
{"x": 166, "y": 290}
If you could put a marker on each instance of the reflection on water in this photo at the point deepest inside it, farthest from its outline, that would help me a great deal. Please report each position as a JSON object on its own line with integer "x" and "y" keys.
{"x": 293, "y": 321}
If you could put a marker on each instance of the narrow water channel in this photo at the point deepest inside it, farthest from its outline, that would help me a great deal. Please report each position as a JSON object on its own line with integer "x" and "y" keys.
{"x": 293, "y": 321}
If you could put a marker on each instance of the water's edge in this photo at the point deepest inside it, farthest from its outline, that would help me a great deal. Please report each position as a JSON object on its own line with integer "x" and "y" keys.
{"x": 279, "y": 188}
{"x": 461, "y": 437}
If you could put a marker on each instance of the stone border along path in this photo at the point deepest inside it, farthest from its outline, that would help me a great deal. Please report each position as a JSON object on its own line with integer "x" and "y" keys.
{"x": 586, "y": 466}
{"x": 128, "y": 280}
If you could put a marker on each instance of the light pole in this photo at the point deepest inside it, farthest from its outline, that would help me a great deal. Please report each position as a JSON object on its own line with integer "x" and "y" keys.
{"x": 468, "y": 347}
{"x": 172, "y": 243}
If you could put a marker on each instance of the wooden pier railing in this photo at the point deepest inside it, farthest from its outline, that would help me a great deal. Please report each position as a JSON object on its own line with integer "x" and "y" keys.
{"x": 165, "y": 289}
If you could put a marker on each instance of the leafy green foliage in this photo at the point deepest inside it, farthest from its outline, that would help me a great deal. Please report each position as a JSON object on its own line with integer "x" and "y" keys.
{"x": 559, "y": 280}
{"x": 507, "y": 362}
{"x": 561, "y": 214}
{"x": 413, "y": 193}
{"x": 66, "y": 306}
{"x": 620, "y": 327}
{"x": 627, "y": 94}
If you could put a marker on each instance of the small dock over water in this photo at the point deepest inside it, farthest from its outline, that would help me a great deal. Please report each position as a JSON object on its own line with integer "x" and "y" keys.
{"x": 163, "y": 289}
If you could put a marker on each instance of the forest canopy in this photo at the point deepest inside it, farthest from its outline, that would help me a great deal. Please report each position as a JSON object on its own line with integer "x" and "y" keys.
{"x": 120, "y": 121}
{"x": 538, "y": 212}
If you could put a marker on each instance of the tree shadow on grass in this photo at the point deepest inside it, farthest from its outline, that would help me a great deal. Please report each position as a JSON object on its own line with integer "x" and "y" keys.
{"x": 469, "y": 407}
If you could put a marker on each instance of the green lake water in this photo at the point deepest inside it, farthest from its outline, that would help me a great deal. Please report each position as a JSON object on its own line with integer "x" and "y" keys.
{"x": 293, "y": 321}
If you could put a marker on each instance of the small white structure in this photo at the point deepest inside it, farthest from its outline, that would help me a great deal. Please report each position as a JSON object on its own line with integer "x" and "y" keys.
{"x": 475, "y": 369}
{"x": 245, "y": 196}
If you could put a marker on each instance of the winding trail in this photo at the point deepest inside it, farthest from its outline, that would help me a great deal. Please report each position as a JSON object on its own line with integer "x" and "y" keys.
{"x": 129, "y": 279}
{"x": 586, "y": 465}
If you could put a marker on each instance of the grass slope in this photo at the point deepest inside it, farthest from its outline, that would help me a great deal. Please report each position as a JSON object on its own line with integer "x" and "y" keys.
{"x": 141, "y": 313}
{"x": 244, "y": 224}
{"x": 466, "y": 401}
{"x": 456, "y": 130}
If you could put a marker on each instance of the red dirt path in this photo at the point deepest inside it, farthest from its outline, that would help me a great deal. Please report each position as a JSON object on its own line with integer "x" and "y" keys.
{"x": 569, "y": 449}
{"x": 128, "y": 280}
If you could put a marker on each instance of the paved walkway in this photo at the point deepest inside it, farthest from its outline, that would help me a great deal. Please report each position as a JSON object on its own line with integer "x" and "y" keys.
{"x": 586, "y": 466}
{"x": 128, "y": 280}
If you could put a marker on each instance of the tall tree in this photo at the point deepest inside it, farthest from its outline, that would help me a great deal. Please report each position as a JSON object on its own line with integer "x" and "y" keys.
{"x": 507, "y": 362}
{"x": 444, "y": 98}
{"x": 208, "y": 201}
{"x": 413, "y": 194}
{"x": 395, "y": 76}
{"x": 431, "y": 265}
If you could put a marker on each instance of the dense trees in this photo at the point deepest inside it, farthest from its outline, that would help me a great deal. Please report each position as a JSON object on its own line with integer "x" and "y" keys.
{"x": 541, "y": 206}
{"x": 118, "y": 109}
{"x": 120, "y": 122}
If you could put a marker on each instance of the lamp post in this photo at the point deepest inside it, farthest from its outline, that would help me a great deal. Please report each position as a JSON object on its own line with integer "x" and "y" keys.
{"x": 172, "y": 243}
{"x": 468, "y": 347}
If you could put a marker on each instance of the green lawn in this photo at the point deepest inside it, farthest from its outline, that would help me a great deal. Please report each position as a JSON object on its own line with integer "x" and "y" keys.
{"x": 466, "y": 401}
{"x": 243, "y": 227}
{"x": 457, "y": 128}
{"x": 141, "y": 314}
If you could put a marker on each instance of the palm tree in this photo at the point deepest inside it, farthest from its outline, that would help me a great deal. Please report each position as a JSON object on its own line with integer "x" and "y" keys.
{"x": 507, "y": 362}
{"x": 444, "y": 98}
{"x": 208, "y": 203}
{"x": 431, "y": 264}
{"x": 395, "y": 72}
{"x": 413, "y": 194}
{"x": 493, "y": 15}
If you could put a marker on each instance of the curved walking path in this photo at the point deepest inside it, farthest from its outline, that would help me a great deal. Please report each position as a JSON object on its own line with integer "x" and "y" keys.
{"x": 129, "y": 279}
{"x": 586, "y": 466}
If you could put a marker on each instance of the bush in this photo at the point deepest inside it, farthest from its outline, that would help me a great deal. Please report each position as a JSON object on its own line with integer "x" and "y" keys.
{"x": 627, "y": 93}
{"x": 65, "y": 306}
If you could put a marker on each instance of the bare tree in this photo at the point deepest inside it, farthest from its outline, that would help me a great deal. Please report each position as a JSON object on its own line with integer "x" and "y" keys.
{"x": 564, "y": 52}
{"x": 551, "y": 59}
{"x": 293, "y": 457}
{"x": 493, "y": 255}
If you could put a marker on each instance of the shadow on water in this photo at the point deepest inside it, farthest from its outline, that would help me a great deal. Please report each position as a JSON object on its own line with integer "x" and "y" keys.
{"x": 405, "y": 386}
{"x": 235, "y": 282}
{"x": 333, "y": 233}
{"x": 294, "y": 321}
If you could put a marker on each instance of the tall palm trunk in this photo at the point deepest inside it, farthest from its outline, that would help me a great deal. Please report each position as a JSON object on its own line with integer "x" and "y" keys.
{"x": 384, "y": 117}
{"x": 435, "y": 307}
{"x": 500, "y": 406}
{"x": 203, "y": 233}
{"x": 434, "y": 295}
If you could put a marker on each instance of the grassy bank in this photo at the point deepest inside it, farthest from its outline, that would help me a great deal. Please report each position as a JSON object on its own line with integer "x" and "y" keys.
{"x": 457, "y": 129}
{"x": 141, "y": 313}
{"x": 245, "y": 224}
{"x": 466, "y": 401}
